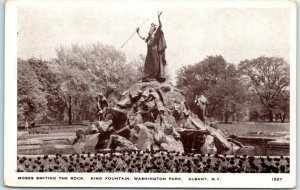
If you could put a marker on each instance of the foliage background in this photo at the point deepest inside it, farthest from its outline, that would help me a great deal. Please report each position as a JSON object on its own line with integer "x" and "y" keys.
{"x": 64, "y": 89}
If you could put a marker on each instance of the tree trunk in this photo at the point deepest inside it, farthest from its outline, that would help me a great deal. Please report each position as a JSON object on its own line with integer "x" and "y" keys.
{"x": 270, "y": 116}
{"x": 70, "y": 110}
{"x": 282, "y": 117}
{"x": 226, "y": 118}
{"x": 70, "y": 115}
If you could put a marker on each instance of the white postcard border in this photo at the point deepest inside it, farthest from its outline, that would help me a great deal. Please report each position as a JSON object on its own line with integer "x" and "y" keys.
{"x": 226, "y": 180}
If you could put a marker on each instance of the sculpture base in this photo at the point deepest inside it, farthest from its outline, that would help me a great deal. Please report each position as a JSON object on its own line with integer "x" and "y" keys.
{"x": 159, "y": 79}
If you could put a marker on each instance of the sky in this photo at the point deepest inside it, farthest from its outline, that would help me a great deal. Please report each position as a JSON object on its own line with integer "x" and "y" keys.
{"x": 192, "y": 32}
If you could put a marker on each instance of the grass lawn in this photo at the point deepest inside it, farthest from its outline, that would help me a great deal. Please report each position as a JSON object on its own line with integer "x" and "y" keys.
{"x": 256, "y": 129}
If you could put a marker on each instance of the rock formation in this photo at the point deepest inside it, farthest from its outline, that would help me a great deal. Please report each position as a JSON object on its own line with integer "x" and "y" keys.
{"x": 154, "y": 116}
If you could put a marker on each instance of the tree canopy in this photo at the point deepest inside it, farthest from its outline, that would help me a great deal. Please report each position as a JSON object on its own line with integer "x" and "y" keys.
{"x": 268, "y": 79}
{"x": 32, "y": 102}
{"x": 66, "y": 86}
{"x": 253, "y": 88}
{"x": 218, "y": 81}
{"x": 69, "y": 83}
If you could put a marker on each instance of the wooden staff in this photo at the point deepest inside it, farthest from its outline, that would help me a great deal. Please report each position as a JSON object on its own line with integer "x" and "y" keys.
{"x": 133, "y": 34}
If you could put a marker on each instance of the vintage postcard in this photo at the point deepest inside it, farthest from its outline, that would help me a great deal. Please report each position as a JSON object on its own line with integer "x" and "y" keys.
{"x": 161, "y": 94}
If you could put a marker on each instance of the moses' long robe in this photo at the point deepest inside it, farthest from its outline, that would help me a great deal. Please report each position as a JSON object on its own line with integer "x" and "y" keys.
{"x": 155, "y": 60}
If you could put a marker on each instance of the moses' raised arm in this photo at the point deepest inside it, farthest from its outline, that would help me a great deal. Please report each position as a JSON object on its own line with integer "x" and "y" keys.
{"x": 159, "y": 21}
{"x": 138, "y": 32}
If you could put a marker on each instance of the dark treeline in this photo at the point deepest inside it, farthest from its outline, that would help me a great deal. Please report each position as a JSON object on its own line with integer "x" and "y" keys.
{"x": 64, "y": 88}
{"x": 255, "y": 90}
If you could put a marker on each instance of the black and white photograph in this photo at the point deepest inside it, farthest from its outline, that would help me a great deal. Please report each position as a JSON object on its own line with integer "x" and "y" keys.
{"x": 179, "y": 94}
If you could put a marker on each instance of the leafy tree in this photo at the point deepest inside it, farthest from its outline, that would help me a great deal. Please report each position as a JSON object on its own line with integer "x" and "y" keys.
{"x": 138, "y": 65}
{"x": 76, "y": 82}
{"x": 197, "y": 78}
{"x": 86, "y": 70}
{"x": 50, "y": 86}
{"x": 255, "y": 109}
{"x": 282, "y": 106}
{"x": 70, "y": 82}
{"x": 32, "y": 102}
{"x": 218, "y": 81}
{"x": 227, "y": 97}
{"x": 268, "y": 78}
